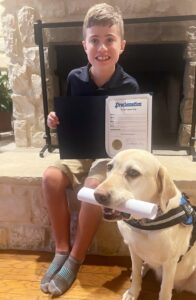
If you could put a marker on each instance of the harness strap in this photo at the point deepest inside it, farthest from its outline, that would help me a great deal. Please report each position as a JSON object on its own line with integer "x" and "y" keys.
{"x": 173, "y": 217}
{"x": 184, "y": 213}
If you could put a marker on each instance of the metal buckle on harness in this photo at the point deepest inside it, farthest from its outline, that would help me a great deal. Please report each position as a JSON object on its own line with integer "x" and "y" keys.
{"x": 190, "y": 213}
{"x": 188, "y": 209}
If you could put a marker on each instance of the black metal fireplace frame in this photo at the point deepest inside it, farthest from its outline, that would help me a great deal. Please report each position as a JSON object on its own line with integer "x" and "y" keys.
{"x": 38, "y": 32}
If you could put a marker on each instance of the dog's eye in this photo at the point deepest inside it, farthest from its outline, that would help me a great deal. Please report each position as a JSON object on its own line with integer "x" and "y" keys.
{"x": 109, "y": 167}
{"x": 132, "y": 173}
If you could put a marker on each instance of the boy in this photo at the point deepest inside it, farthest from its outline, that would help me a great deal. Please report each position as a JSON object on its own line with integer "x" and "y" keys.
{"x": 103, "y": 43}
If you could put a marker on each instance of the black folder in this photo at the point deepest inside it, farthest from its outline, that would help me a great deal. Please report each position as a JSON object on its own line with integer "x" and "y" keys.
{"x": 81, "y": 132}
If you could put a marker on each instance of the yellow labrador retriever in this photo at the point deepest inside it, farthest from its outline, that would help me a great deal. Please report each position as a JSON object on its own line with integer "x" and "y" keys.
{"x": 167, "y": 243}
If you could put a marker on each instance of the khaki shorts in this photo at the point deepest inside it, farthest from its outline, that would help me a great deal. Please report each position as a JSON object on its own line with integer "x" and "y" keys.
{"x": 78, "y": 170}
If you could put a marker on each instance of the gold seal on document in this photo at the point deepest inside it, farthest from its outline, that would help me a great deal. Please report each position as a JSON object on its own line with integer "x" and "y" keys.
{"x": 117, "y": 144}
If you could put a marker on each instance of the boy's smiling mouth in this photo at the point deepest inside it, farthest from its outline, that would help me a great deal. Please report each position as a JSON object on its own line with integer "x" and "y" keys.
{"x": 102, "y": 58}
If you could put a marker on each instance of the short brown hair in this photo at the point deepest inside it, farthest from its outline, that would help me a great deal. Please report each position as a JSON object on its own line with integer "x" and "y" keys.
{"x": 103, "y": 14}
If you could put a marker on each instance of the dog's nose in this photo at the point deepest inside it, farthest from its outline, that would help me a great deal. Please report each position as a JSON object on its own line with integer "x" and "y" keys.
{"x": 102, "y": 197}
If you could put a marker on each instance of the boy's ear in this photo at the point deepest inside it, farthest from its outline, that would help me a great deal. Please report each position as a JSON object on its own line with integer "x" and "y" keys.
{"x": 84, "y": 45}
{"x": 123, "y": 44}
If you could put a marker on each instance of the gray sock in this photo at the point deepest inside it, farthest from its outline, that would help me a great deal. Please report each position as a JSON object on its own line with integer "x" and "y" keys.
{"x": 53, "y": 268}
{"x": 63, "y": 280}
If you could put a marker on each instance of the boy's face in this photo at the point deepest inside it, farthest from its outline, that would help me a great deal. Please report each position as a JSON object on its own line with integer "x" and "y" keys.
{"x": 103, "y": 46}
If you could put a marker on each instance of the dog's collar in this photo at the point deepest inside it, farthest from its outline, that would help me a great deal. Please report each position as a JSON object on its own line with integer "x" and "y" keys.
{"x": 185, "y": 213}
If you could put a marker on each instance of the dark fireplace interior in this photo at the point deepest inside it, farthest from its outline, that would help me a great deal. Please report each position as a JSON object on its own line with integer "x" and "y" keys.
{"x": 158, "y": 68}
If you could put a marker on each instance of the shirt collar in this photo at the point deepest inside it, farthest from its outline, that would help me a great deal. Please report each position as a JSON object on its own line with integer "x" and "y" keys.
{"x": 114, "y": 81}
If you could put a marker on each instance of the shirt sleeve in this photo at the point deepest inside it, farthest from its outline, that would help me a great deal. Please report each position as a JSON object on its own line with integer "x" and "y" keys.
{"x": 68, "y": 86}
{"x": 136, "y": 87}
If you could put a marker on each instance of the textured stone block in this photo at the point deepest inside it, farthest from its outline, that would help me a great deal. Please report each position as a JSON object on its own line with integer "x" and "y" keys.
{"x": 186, "y": 111}
{"x": 14, "y": 204}
{"x": 39, "y": 212}
{"x": 26, "y": 18}
{"x": 27, "y": 237}
{"x": 184, "y": 134}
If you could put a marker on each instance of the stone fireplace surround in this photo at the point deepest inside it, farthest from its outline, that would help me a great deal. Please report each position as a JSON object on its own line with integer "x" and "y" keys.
{"x": 24, "y": 68}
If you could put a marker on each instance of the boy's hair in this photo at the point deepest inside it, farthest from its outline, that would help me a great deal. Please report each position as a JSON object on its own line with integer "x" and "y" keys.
{"x": 105, "y": 15}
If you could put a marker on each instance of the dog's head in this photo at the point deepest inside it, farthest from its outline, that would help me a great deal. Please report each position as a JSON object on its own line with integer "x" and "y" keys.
{"x": 134, "y": 174}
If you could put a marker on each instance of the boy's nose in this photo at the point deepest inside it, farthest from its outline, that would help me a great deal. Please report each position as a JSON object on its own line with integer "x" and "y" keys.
{"x": 102, "y": 47}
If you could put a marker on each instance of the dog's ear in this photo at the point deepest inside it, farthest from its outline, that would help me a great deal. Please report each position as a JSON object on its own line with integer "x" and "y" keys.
{"x": 167, "y": 189}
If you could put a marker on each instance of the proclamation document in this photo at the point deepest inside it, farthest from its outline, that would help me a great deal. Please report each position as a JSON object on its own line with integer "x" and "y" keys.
{"x": 128, "y": 122}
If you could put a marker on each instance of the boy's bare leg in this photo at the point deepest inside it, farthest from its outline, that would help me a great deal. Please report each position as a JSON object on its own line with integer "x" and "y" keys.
{"x": 54, "y": 187}
{"x": 88, "y": 223}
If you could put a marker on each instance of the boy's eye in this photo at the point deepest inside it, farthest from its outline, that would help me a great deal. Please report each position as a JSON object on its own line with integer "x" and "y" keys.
{"x": 110, "y": 40}
{"x": 94, "y": 41}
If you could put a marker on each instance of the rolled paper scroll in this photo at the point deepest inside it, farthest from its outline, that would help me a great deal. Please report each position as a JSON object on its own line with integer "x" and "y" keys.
{"x": 137, "y": 208}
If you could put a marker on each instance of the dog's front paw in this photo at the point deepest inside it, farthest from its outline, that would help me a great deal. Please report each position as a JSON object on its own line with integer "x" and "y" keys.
{"x": 128, "y": 295}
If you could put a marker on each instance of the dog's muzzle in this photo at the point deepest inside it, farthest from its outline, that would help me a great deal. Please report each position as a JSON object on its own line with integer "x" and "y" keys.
{"x": 109, "y": 213}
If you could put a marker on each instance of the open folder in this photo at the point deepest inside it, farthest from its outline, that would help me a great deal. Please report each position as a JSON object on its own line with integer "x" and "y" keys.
{"x": 100, "y": 126}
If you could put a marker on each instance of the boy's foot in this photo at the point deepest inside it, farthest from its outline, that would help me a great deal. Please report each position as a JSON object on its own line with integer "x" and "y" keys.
{"x": 63, "y": 280}
{"x": 54, "y": 267}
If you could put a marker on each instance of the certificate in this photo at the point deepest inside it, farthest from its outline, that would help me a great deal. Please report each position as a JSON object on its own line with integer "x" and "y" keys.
{"x": 128, "y": 122}
{"x": 100, "y": 126}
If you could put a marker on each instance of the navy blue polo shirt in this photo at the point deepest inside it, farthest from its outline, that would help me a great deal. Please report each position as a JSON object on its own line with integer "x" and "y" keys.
{"x": 79, "y": 83}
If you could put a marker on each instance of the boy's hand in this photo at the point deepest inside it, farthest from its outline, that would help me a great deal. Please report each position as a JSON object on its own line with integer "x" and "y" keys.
{"x": 52, "y": 120}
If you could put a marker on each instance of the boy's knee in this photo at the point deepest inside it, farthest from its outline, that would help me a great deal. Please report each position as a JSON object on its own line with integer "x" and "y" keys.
{"x": 52, "y": 175}
{"x": 49, "y": 173}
